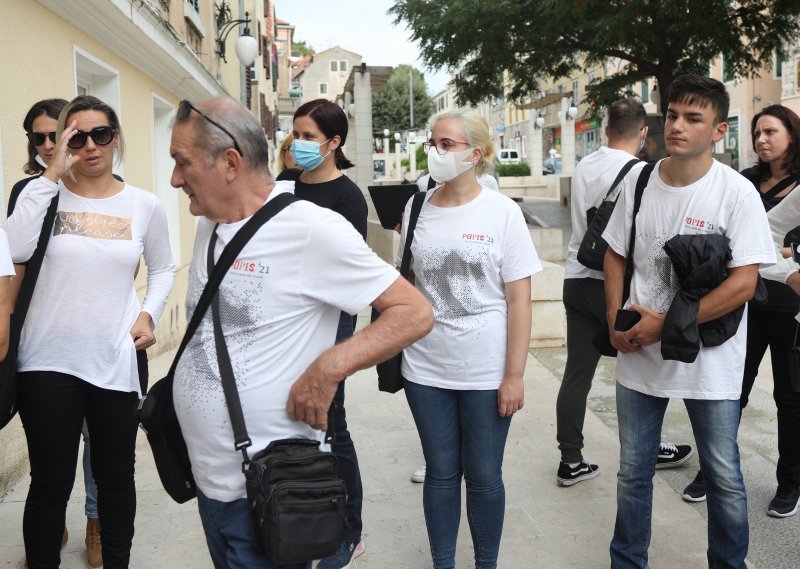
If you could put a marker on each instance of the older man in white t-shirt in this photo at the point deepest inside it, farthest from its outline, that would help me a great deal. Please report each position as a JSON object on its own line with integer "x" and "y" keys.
{"x": 687, "y": 193}
{"x": 279, "y": 308}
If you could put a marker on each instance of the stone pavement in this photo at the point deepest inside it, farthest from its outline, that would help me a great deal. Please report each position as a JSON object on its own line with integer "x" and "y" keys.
{"x": 546, "y": 526}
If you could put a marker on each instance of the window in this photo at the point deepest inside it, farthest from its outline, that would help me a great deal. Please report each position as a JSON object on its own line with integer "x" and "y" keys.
{"x": 334, "y": 66}
{"x": 797, "y": 76}
{"x": 94, "y": 77}
{"x": 777, "y": 66}
{"x": 163, "y": 112}
{"x": 342, "y": 65}
{"x": 575, "y": 88}
{"x": 645, "y": 91}
{"x": 524, "y": 146}
{"x": 323, "y": 88}
{"x": 727, "y": 71}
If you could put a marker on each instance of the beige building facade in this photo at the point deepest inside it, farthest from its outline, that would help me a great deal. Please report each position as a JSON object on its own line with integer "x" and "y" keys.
{"x": 141, "y": 57}
{"x": 326, "y": 76}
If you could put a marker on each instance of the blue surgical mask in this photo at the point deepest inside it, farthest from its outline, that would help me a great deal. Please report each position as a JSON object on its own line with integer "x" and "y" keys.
{"x": 306, "y": 153}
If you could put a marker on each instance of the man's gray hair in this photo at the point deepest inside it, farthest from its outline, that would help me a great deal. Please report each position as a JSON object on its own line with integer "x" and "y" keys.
{"x": 240, "y": 123}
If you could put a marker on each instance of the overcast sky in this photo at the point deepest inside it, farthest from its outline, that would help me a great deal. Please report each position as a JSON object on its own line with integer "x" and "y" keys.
{"x": 362, "y": 26}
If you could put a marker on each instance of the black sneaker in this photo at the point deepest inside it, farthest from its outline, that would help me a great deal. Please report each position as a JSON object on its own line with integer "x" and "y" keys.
{"x": 670, "y": 455}
{"x": 785, "y": 503}
{"x": 567, "y": 475}
{"x": 696, "y": 490}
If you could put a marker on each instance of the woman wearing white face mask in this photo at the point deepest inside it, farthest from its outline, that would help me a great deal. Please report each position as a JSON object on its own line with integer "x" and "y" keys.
{"x": 472, "y": 257}
{"x": 320, "y": 131}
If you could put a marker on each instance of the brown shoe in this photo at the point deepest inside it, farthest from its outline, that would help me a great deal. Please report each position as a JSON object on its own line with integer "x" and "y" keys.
{"x": 64, "y": 539}
{"x": 94, "y": 553}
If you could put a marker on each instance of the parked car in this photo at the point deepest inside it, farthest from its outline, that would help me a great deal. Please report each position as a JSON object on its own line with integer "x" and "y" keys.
{"x": 508, "y": 156}
{"x": 551, "y": 166}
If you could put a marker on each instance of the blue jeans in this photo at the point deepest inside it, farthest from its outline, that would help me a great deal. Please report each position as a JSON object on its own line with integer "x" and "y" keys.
{"x": 714, "y": 424}
{"x": 89, "y": 485}
{"x": 461, "y": 433}
{"x": 229, "y": 535}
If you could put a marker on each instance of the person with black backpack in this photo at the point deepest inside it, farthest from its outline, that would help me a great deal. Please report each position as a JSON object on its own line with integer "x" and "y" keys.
{"x": 594, "y": 184}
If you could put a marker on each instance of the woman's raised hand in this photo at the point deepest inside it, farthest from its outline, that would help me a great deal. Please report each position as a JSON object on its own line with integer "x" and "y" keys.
{"x": 63, "y": 159}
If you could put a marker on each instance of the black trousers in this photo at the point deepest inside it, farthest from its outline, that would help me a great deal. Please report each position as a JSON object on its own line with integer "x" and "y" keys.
{"x": 585, "y": 304}
{"x": 345, "y": 451}
{"x": 776, "y": 330}
{"x": 52, "y": 407}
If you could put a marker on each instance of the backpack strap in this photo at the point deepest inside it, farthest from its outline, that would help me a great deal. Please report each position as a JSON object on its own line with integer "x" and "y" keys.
{"x": 625, "y": 169}
{"x": 641, "y": 184}
{"x": 416, "y": 207}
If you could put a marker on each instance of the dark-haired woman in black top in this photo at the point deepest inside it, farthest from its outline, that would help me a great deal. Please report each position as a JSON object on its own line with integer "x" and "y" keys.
{"x": 776, "y": 141}
{"x": 320, "y": 131}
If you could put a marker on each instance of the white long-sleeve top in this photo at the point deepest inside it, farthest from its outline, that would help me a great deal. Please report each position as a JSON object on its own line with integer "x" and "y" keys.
{"x": 85, "y": 302}
{"x": 783, "y": 218}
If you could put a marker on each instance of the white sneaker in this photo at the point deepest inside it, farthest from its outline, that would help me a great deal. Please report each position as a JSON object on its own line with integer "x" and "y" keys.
{"x": 418, "y": 475}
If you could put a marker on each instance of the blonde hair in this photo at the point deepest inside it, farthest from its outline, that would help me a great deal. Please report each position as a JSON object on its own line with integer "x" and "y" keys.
{"x": 476, "y": 132}
{"x": 90, "y": 103}
{"x": 287, "y": 142}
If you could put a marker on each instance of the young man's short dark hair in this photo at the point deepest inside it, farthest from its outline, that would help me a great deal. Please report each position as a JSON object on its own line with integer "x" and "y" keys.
{"x": 626, "y": 118}
{"x": 703, "y": 91}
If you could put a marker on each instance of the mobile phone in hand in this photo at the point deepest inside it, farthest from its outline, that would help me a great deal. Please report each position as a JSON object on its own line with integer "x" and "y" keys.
{"x": 795, "y": 247}
{"x": 626, "y": 319}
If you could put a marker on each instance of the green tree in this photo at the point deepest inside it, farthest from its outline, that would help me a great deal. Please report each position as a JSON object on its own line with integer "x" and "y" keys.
{"x": 390, "y": 108}
{"x": 534, "y": 40}
{"x": 301, "y": 49}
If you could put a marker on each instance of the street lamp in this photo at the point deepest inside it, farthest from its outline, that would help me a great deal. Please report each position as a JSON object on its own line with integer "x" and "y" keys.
{"x": 246, "y": 45}
{"x": 386, "y": 133}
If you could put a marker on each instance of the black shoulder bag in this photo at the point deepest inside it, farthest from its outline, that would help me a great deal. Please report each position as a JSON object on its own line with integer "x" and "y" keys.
{"x": 390, "y": 376}
{"x": 593, "y": 247}
{"x": 157, "y": 410}
{"x": 602, "y": 339}
{"x": 8, "y": 367}
{"x": 296, "y": 499}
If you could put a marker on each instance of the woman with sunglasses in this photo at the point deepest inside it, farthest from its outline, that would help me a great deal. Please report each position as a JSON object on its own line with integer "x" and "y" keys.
{"x": 77, "y": 354}
{"x": 319, "y": 132}
{"x": 472, "y": 258}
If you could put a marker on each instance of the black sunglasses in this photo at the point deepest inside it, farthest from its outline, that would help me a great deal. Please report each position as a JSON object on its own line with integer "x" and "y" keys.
{"x": 38, "y": 138}
{"x": 185, "y": 107}
{"x": 101, "y": 135}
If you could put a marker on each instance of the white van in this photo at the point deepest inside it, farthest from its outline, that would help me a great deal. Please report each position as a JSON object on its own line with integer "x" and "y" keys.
{"x": 508, "y": 156}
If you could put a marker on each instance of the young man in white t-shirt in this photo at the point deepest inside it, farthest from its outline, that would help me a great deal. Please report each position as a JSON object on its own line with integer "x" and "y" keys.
{"x": 280, "y": 304}
{"x": 687, "y": 193}
{"x": 584, "y": 295}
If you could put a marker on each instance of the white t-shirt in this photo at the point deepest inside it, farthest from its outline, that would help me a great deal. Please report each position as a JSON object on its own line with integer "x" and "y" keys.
{"x": 85, "y": 302}
{"x": 591, "y": 181}
{"x": 462, "y": 257}
{"x": 280, "y": 304}
{"x": 6, "y": 265}
{"x": 721, "y": 202}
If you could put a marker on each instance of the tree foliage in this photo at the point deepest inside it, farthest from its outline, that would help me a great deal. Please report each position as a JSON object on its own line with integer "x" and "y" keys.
{"x": 301, "y": 49}
{"x": 536, "y": 40}
{"x": 390, "y": 108}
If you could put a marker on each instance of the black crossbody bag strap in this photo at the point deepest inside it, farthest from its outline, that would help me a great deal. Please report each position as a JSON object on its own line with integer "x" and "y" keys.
{"x": 641, "y": 184}
{"x": 32, "y": 268}
{"x": 416, "y": 207}
{"x": 226, "y": 259}
{"x": 625, "y": 169}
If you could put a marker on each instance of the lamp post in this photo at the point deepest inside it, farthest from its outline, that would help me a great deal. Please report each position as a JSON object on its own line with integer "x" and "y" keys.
{"x": 386, "y": 153}
{"x": 397, "y": 155}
